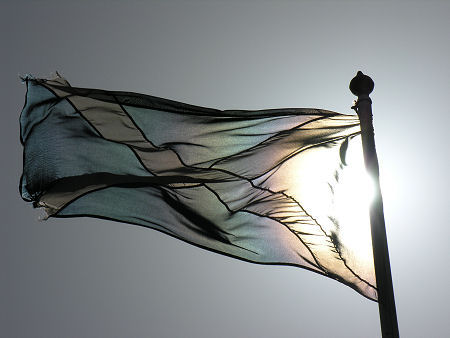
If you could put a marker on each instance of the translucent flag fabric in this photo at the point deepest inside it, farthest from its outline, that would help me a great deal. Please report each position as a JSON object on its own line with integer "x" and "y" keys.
{"x": 277, "y": 186}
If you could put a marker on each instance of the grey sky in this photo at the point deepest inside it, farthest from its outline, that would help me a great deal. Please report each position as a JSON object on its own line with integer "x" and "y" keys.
{"x": 91, "y": 278}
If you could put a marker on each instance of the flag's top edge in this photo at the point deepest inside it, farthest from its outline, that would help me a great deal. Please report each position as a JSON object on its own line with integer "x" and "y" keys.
{"x": 146, "y": 101}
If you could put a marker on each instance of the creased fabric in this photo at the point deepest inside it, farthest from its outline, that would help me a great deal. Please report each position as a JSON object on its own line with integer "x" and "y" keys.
{"x": 277, "y": 186}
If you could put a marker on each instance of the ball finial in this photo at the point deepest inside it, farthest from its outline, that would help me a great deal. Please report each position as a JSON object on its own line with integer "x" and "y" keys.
{"x": 361, "y": 84}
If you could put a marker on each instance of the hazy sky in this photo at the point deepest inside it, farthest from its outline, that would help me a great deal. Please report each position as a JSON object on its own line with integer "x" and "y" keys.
{"x": 84, "y": 277}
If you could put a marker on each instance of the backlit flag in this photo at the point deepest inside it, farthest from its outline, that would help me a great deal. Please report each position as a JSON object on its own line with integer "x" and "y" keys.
{"x": 276, "y": 186}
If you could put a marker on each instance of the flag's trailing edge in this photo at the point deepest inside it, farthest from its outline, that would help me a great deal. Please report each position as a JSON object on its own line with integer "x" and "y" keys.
{"x": 277, "y": 186}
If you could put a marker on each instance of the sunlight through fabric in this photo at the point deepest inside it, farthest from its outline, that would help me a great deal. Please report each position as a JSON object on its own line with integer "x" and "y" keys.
{"x": 276, "y": 186}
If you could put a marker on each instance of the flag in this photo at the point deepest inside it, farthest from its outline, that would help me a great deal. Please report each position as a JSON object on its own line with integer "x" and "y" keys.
{"x": 276, "y": 186}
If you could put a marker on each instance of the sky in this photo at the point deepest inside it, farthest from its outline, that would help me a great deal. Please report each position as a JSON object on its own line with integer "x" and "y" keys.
{"x": 85, "y": 277}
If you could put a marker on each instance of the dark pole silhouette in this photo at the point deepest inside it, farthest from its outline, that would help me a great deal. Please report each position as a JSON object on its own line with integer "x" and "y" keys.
{"x": 362, "y": 85}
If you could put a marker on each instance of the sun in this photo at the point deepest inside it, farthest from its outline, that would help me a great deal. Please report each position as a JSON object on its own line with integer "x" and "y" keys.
{"x": 353, "y": 194}
{"x": 337, "y": 195}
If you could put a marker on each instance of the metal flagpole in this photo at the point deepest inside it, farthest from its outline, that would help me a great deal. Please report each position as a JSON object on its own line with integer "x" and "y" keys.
{"x": 361, "y": 86}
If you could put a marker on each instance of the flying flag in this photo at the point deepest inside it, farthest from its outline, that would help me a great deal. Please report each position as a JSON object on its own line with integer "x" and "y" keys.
{"x": 276, "y": 186}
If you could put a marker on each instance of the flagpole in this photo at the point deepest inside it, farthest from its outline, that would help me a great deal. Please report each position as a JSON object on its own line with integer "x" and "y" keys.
{"x": 361, "y": 86}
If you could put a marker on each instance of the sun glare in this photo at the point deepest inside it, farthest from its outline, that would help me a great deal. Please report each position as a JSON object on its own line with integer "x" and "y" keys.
{"x": 337, "y": 196}
{"x": 355, "y": 189}
{"x": 353, "y": 194}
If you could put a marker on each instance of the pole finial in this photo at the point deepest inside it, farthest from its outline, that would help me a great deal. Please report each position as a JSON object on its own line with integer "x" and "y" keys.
{"x": 361, "y": 84}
